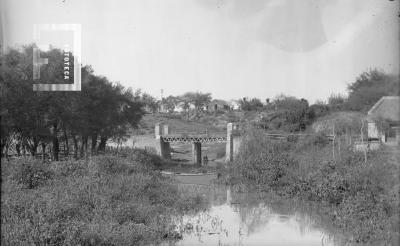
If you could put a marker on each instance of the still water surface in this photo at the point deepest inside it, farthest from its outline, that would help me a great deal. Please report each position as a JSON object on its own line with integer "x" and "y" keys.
{"x": 249, "y": 219}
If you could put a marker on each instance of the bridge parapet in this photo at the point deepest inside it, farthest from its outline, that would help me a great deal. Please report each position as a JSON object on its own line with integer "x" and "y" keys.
{"x": 160, "y": 129}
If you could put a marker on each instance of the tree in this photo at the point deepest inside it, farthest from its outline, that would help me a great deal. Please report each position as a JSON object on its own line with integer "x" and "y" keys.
{"x": 369, "y": 87}
{"x": 26, "y": 109}
{"x": 337, "y": 101}
{"x": 250, "y": 105}
{"x": 170, "y": 103}
{"x": 150, "y": 102}
{"x": 102, "y": 109}
{"x": 294, "y": 110}
{"x": 197, "y": 99}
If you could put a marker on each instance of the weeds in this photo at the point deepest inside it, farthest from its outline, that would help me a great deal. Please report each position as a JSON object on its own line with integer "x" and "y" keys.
{"x": 107, "y": 200}
{"x": 31, "y": 173}
{"x": 360, "y": 193}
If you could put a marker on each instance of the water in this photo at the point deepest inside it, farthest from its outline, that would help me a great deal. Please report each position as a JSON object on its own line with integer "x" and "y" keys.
{"x": 248, "y": 219}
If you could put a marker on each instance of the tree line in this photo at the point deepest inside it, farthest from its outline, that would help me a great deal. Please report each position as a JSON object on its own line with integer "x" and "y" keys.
{"x": 105, "y": 110}
{"x": 101, "y": 111}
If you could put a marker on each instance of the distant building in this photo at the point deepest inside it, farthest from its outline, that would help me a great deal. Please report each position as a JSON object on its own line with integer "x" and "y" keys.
{"x": 387, "y": 111}
{"x": 234, "y": 105}
{"x": 218, "y": 105}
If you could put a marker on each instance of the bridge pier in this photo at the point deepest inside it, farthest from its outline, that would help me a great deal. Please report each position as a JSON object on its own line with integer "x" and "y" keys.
{"x": 165, "y": 150}
{"x": 196, "y": 153}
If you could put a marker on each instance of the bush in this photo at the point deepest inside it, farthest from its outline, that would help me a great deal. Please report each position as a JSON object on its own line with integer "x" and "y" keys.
{"x": 360, "y": 196}
{"x": 31, "y": 173}
{"x": 262, "y": 160}
{"x": 139, "y": 157}
{"x": 107, "y": 200}
{"x": 368, "y": 220}
{"x": 109, "y": 164}
{"x": 69, "y": 168}
{"x": 319, "y": 140}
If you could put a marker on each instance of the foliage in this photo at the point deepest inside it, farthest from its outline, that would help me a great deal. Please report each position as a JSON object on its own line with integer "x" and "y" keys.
{"x": 261, "y": 161}
{"x": 317, "y": 110}
{"x": 31, "y": 173}
{"x": 150, "y": 102}
{"x": 369, "y": 87}
{"x": 359, "y": 194}
{"x": 337, "y": 102}
{"x": 295, "y": 112}
{"x": 170, "y": 103}
{"x": 101, "y": 110}
{"x": 341, "y": 123}
{"x": 250, "y": 104}
{"x": 106, "y": 200}
{"x": 197, "y": 99}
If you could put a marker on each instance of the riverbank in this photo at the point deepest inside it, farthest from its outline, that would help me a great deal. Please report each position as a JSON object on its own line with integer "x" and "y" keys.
{"x": 361, "y": 198}
{"x": 104, "y": 200}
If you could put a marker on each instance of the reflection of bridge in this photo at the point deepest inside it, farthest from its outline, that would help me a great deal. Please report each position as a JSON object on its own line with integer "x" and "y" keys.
{"x": 231, "y": 137}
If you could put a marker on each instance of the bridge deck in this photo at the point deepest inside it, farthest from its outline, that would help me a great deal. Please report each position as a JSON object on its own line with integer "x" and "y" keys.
{"x": 194, "y": 138}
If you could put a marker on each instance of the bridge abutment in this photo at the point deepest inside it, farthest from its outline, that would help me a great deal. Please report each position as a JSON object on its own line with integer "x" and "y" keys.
{"x": 233, "y": 141}
{"x": 163, "y": 148}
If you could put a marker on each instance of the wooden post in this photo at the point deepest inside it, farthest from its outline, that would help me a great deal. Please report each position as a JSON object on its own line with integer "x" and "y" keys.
{"x": 339, "y": 145}
{"x": 362, "y": 140}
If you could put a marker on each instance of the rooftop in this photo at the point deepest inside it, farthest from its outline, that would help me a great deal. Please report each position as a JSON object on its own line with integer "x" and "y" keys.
{"x": 387, "y": 107}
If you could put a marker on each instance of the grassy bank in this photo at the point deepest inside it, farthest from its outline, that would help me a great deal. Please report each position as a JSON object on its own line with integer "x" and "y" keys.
{"x": 105, "y": 200}
{"x": 361, "y": 197}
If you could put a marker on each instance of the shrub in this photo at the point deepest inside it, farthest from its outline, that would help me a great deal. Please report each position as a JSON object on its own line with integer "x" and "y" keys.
{"x": 329, "y": 184}
{"x": 31, "y": 173}
{"x": 109, "y": 164}
{"x": 124, "y": 203}
{"x": 131, "y": 213}
{"x": 367, "y": 220}
{"x": 319, "y": 140}
{"x": 68, "y": 168}
{"x": 262, "y": 160}
{"x": 142, "y": 158}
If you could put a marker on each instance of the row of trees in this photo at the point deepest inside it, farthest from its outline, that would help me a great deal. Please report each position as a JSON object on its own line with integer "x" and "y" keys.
{"x": 367, "y": 89}
{"x": 197, "y": 100}
{"x": 294, "y": 114}
{"x": 102, "y": 110}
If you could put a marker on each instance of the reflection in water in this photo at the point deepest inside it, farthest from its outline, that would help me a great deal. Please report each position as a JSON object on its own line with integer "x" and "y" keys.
{"x": 248, "y": 219}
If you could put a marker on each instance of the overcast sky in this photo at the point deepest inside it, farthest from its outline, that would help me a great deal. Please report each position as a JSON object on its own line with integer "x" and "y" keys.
{"x": 231, "y": 48}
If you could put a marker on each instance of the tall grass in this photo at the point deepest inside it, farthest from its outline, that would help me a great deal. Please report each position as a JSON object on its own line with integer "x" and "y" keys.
{"x": 362, "y": 194}
{"x": 106, "y": 200}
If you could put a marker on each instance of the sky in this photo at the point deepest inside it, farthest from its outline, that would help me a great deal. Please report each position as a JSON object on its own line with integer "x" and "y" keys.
{"x": 230, "y": 48}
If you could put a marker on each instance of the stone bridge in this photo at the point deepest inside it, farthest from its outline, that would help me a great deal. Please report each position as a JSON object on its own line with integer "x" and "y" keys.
{"x": 232, "y": 138}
